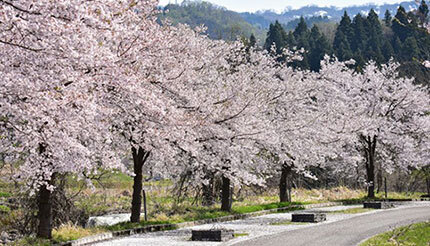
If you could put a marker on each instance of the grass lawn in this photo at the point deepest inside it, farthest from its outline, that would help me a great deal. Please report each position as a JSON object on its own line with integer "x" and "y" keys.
{"x": 417, "y": 235}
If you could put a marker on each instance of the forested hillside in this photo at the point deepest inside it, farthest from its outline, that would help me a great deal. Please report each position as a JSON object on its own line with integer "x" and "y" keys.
{"x": 220, "y": 22}
{"x": 310, "y": 21}
{"x": 403, "y": 37}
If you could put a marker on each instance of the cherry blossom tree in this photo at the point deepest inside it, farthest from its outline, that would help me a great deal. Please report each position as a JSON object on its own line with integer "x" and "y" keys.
{"x": 251, "y": 108}
{"x": 381, "y": 115}
{"x": 229, "y": 98}
{"x": 299, "y": 137}
{"x": 61, "y": 61}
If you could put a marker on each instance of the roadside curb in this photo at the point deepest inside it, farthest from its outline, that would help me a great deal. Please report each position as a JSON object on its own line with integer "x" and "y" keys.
{"x": 156, "y": 228}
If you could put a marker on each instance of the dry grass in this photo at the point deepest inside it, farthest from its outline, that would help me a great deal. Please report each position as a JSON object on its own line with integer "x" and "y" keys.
{"x": 306, "y": 196}
{"x": 334, "y": 194}
{"x": 70, "y": 232}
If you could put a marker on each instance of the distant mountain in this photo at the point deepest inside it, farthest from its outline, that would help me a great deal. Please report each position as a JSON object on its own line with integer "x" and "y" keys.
{"x": 264, "y": 18}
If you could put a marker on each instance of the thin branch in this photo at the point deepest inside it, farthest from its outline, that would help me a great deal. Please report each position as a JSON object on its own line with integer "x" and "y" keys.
{"x": 20, "y": 46}
{"x": 233, "y": 116}
{"x": 19, "y": 8}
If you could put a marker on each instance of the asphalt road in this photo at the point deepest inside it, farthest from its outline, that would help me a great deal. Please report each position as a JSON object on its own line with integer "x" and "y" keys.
{"x": 349, "y": 232}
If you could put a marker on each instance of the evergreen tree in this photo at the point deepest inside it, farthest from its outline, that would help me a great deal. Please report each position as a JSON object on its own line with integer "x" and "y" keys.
{"x": 410, "y": 49}
{"x": 373, "y": 52}
{"x": 320, "y": 47}
{"x": 314, "y": 37}
{"x": 275, "y": 36}
{"x": 388, "y": 18}
{"x": 374, "y": 44}
{"x": 290, "y": 40}
{"x": 314, "y": 58}
{"x": 423, "y": 12}
{"x": 359, "y": 25}
{"x": 374, "y": 25}
{"x": 301, "y": 34}
{"x": 341, "y": 47}
{"x": 301, "y": 29}
{"x": 252, "y": 41}
{"x": 302, "y": 39}
{"x": 345, "y": 26}
{"x": 397, "y": 47}
{"x": 343, "y": 39}
{"x": 249, "y": 43}
{"x": 360, "y": 62}
{"x": 400, "y": 24}
{"x": 402, "y": 15}
{"x": 413, "y": 20}
{"x": 387, "y": 51}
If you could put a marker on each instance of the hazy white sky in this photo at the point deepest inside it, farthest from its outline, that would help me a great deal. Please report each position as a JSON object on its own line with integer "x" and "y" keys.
{"x": 279, "y": 5}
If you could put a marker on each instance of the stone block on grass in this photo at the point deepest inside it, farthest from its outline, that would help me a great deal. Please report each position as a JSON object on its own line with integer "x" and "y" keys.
{"x": 221, "y": 235}
{"x": 378, "y": 205}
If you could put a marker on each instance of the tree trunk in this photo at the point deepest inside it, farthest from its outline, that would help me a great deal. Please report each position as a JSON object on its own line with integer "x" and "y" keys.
{"x": 44, "y": 229}
{"x": 139, "y": 158}
{"x": 285, "y": 184}
{"x": 370, "y": 151}
{"x": 208, "y": 193}
{"x": 144, "y": 205}
{"x": 226, "y": 195}
{"x": 428, "y": 186}
{"x": 385, "y": 187}
{"x": 380, "y": 179}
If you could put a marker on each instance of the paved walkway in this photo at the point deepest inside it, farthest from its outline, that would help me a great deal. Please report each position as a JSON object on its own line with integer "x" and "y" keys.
{"x": 339, "y": 229}
{"x": 349, "y": 232}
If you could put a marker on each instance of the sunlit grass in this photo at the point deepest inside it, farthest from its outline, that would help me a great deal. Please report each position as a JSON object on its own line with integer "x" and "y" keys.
{"x": 417, "y": 235}
{"x": 26, "y": 241}
{"x": 4, "y": 209}
{"x": 70, "y": 232}
{"x": 5, "y": 194}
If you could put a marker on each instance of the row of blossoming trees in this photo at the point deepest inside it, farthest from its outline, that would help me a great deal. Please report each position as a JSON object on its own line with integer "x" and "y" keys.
{"x": 83, "y": 83}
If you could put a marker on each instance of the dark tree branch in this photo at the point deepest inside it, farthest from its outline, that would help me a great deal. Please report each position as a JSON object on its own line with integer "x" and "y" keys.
{"x": 233, "y": 116}
{"x": 20, "y": 46}
{"x": 19, "y": 8}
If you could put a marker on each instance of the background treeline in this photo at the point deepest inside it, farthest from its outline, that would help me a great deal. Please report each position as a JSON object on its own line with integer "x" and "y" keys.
{"x": 220, "y": 22}
{"x": 362, "y": 38}
{"x": 225, "y": 24}
{"x": 333, "y": 13}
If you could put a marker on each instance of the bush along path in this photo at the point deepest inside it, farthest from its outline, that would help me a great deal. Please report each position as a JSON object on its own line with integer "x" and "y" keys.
{"x": 163, "y": 227}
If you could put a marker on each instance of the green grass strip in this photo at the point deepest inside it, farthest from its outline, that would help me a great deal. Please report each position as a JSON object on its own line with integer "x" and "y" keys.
{"x": 416, "y": 234}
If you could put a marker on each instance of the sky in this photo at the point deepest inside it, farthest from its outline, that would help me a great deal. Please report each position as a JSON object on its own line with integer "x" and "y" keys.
{"x": 280, "y": 5}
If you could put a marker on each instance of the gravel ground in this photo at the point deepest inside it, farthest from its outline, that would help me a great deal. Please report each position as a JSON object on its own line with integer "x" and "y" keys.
{"x": 252, "y": 227}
